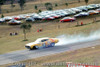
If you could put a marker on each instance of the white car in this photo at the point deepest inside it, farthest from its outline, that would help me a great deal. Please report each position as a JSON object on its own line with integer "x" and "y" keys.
{"x": 2, "y": 20}
{"x": 82, "y": 14}
{"x": 30, "y": 19}
{"x": 42, "y": 43}
{"x": 8, "y": 18}
{"x": 14, "y": 22}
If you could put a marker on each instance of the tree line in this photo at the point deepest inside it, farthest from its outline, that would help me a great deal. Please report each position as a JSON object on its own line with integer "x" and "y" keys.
{"x": 22, "y": 4}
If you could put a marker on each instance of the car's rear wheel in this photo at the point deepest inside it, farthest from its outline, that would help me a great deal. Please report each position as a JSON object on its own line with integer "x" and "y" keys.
{"x": 53, "y": 44}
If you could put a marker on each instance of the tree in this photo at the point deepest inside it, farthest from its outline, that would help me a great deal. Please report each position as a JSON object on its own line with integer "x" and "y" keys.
{"x": 2, "y": 16}
{"x": 48, "y": 6}
{"x": 22, "y": 3}
{"x": 35, "y": 7}
{"x": 66, "y": 4}
{"x": 29, "y": 27}
{"x": 86, "y": 1}
{"x": 12, "y": 4}
{"x": 25, "y": 27}
{"x": 39, "y": 11}
{"x": 56, "y": 5}
{"x": 1, "y": 3}
{"x": 79, "y": 1}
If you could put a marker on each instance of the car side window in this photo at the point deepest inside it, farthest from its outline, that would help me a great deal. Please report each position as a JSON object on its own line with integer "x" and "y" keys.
{"x": 44, "y": 40}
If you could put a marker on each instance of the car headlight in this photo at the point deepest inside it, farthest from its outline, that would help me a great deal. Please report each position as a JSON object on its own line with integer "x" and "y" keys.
{"x": 28, "y": 47}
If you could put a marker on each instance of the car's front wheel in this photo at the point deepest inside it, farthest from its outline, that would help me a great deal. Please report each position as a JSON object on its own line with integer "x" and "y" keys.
{"x": 34, "y": 47}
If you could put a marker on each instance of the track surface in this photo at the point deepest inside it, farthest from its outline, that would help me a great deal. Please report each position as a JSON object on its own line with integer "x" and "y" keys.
{"x": 27, "y": 54}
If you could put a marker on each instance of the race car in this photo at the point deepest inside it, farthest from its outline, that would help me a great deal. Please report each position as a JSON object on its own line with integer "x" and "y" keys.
{"x": 42, "y": 43}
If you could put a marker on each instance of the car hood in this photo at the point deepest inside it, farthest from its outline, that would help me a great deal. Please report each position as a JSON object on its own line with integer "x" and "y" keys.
{"x": 32, "y": 43}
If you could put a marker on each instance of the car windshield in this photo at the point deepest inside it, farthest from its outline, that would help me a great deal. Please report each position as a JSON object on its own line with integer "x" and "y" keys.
{"x": 44, "y": 40}
{"x": 66, "y": 18}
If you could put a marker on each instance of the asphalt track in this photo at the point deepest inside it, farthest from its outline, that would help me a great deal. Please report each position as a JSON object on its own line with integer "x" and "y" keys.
{"x": 27, "y": 54}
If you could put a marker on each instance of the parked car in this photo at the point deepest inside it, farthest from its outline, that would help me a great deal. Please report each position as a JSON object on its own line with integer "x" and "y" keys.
{"x": 82, "y": 14}
{"x": 2, "y": 20}
{"x": 42, "y": 43}
{"x": 48, "y": 18}
{"x": 30, "y": 19}
{"x": 70, "y": 12}
{"x": 17, "y": 17}
{"x": 95, "y": 6}
{"x": 67, "y": 19}
{"x": 8, "y": 18}
{"x": 76, "y": 10}
{"x": 55, "y": 16}
{"x": 82, "y": 8}
{"x": 98, "y": 10}
{"x": 92, "y": 12}
{"x": 14, "y": 22}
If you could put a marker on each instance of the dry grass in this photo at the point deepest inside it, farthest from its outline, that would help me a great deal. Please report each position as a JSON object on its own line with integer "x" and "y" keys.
{"x": 29, "y": 8}
{"x": 50, "y": 29}
{"x": 8, "y": 43}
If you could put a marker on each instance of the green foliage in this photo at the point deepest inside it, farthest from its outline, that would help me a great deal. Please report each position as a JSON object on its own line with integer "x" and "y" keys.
{"x": 2, "y": 2}
{"x": 25, "y": 27}
{"x": 66, "y": 4}
{"x": 36, "y": 7}
{"x": 12, "y": 3}
{"x": 29, "y": 26}
{"x": 2, "y": 16}
{"x": 39, "y": 11}
{"x": 22, "y": 3}
{"x": 7, "y": 11}
{"x": 56, "y": 5}
{"x": 86, "y": 1}
{"x": 48, "y": 6}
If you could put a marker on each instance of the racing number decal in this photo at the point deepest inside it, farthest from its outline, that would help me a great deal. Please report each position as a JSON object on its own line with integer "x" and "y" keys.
{"x": 49, "y": 42}
{"x": 43, "y": 45}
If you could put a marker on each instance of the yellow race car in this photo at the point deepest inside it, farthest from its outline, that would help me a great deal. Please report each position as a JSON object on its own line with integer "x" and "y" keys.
{"x": 42, "y": 43}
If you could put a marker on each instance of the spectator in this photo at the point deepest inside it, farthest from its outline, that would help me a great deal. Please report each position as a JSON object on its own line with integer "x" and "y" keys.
{"x": 10, "y": 34}
{"x": 81, "y": 23}
{"x": 16, "y": 33}
{"x": 38, "y": 30}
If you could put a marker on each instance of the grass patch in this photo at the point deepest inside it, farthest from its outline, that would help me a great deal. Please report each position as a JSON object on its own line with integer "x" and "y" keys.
{"x": 29, "y": 8}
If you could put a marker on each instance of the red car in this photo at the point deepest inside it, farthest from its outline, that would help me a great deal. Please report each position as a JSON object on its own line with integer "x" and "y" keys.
{"x": 98, "y": 10}
{"x": 48, "y": 18}
{"x": 67, "y": 19}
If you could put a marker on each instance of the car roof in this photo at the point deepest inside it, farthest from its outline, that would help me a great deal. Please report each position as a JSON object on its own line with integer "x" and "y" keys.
{"x": 39, "y": 39}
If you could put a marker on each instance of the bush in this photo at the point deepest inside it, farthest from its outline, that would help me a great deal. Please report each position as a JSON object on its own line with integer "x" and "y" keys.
{"x": 13, "y": 6}
{"x": 66, "y": 4}
{"x": 48, "y": 6}
{"x": 50, "y": 9}
{"x": 56, "y": 5}
{"x": 2, "y": 16}
{"x": 39, "y": 11}
{"x": 36, "y": 7}
{"x": 7, "y": 11}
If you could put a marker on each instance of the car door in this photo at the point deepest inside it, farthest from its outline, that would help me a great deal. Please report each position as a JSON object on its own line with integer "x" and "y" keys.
{"x": 44, "y": 42}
